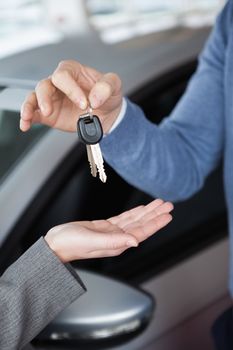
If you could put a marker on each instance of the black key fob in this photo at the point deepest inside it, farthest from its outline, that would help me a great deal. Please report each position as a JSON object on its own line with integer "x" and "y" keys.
{"x": 89, "y": 129}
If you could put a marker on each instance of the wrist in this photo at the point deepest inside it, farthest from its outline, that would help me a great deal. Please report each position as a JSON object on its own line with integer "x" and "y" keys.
{"x": 120, "y": 116}
{"x": 111, "y": 118}
{"x": 52, "y": 241}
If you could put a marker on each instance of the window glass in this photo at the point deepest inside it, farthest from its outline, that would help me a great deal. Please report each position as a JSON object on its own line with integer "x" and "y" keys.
{"x": 13, "y": 143}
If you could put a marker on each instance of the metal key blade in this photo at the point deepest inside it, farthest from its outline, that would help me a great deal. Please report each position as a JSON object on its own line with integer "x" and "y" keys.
{"x": 91, "y": 161}
{"x": 98, "y": 159}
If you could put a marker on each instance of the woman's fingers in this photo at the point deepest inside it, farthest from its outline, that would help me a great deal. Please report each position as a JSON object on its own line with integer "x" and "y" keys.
{"x": 144, "y": 231}
{"x": 135, "y": 213}
{"x": 164, "y": 208}
{"x": 123, "y": 218}
{"x": 153, "y": 209}
{"x": 108, "y": 253}
{"x": 143, "y": 221}
{"x": 112, "y": 241}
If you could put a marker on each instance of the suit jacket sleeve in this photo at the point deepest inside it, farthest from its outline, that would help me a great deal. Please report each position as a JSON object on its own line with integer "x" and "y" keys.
{"x": 172, "y": 160}
{"x": 33, "y": 291}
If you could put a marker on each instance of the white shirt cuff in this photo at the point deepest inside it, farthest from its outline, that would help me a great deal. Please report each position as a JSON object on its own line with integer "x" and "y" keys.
{"x": 120, "y": 116}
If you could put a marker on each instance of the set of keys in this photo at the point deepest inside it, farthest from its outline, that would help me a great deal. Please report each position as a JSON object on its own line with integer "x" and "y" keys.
{"x": 90, "y": 132}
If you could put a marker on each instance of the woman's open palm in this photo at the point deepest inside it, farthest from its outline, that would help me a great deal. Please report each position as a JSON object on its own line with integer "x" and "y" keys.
{"x": 111, "y": 237}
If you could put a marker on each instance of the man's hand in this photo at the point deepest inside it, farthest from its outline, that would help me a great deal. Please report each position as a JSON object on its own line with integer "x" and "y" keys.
{"x": 111, "y": 237}
{"x": 60, "y": 99}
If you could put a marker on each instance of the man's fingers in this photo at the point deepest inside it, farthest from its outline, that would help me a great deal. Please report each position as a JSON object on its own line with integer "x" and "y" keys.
{"x": 24, "y": 125}
{"x": 65, "y": 79}
{"x": 108, "y": 85}
{"x": 44, "y": 92}
{"x": 27, "y": 111}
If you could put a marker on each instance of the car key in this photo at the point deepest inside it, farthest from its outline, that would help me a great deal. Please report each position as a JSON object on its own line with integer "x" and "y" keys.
{"x": 90, "y": 133}
{"x": 91, "y": 161}
{"x": 99, "y": 162}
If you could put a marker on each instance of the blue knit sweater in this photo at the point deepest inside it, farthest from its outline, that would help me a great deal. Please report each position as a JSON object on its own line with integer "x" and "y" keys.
{"x": 173, "y": 159}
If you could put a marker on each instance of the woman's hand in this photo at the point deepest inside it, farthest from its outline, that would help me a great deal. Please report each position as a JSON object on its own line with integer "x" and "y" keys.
{"x": 59, "y": 100}
{"x": 111, "y": 237}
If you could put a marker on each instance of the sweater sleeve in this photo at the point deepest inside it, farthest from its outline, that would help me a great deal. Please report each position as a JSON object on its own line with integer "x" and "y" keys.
{"x": 33, "y": 291}
{"x": 172, "y": 160}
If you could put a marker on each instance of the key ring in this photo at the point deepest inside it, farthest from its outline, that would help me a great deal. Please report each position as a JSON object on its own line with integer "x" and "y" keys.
{"x": 90, "y": 110}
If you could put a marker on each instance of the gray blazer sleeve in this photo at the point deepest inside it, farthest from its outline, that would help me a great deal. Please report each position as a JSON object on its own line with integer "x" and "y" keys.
{"x": 33, "y": 291}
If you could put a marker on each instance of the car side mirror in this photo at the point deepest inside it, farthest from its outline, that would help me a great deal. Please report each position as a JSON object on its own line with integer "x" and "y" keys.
{"x": 110, "y": 312}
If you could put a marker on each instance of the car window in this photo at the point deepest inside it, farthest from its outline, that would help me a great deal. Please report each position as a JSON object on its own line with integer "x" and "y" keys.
{"x": 14, "y": 144}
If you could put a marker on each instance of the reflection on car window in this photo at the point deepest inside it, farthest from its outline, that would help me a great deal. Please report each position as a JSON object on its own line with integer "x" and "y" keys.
{"x": 13, "y": 143}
